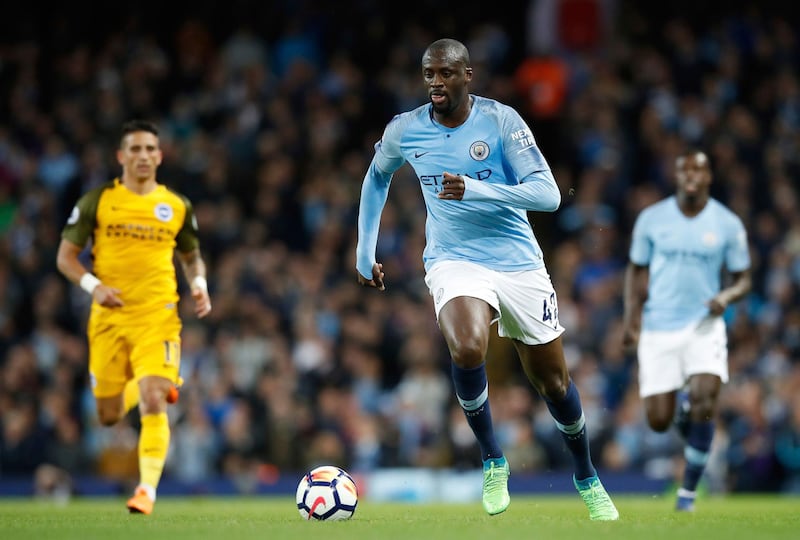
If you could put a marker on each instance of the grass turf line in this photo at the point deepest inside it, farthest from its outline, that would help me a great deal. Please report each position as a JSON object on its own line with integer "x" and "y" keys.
{"x": 534, "y": 517}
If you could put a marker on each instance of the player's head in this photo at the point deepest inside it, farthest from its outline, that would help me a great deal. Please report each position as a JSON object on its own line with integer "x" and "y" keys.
{"x": 446, "y": 71}
{"x": 139, "y": 152}
{"x": 693, "y": 174}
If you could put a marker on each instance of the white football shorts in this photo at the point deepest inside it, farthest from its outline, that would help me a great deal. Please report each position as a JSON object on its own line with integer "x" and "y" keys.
{"x": 668, "y": 358}
{"x": 524, "y": 301}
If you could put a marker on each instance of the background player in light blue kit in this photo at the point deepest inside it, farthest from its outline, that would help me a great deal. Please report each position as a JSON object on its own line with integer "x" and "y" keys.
{"x": 480, "y": 171}
{"x": 674, "y": 303}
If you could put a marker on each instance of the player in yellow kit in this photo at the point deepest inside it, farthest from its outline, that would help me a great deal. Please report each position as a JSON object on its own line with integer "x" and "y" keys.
{"x": 136, "y": 225}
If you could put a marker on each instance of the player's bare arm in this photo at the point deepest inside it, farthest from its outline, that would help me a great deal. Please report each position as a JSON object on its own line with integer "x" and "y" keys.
{"x": 377, "y": 278}
{"x": 194, "y": 269}
{"x": 742, "y": 283}
{"x": 635, "y": 294}
{"x": 72, "y": 268}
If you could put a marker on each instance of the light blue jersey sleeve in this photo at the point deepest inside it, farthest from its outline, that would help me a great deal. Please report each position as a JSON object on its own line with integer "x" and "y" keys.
{"x": 374, "y": 191}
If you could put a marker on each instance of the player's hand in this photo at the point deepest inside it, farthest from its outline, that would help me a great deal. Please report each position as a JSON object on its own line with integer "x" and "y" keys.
{"x": 107, "y": 296}
{"x": 377, "y": 278}
{"x": 452, "y": 187}
{"x": 717, "y": 305}
{"x": 630, "y": 340}
{"x": 202, "y": 302}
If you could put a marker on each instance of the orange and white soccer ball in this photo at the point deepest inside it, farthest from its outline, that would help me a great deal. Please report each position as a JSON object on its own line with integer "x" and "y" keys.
{"x": 327, "y": 493}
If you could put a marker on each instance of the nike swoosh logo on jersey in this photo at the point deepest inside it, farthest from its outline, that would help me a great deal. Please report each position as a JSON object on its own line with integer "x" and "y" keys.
{"x": 418, "y": 155}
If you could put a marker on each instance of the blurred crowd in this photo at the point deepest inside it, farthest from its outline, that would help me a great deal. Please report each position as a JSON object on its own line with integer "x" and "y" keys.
{"x": 269, "y": 114}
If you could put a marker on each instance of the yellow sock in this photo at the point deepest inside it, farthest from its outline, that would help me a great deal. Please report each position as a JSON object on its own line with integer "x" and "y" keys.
{"x": 153, "y": 446}
{"x": 130, "y": 396}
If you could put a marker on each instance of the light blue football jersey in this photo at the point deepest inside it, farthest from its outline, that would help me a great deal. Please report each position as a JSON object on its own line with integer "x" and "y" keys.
{"x": 495, "y": 148}
{"x": 686, "y": 256}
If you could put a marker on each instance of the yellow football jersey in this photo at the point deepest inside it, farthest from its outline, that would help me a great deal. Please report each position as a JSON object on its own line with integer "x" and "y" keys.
{"x": 133, "y": 242}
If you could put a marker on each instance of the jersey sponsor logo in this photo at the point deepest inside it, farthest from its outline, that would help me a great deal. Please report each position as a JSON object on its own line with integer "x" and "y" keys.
{"x": 479, "y": 151}
{"x": 524, "y": 137}
{"x": 73, "y": 216}
{"x": 435, "y": 180}
{"x": 164, "y": 212}
{"x": 138, "y": 232}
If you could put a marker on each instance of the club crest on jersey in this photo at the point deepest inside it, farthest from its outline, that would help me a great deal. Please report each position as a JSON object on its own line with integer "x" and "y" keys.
{"x": 709, "y": 239}
{"x": 164, "y": 212}
{"x": 479, "y": 150}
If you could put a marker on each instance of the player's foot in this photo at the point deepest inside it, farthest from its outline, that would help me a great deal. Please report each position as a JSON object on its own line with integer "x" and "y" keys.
{"x": 174, "y": 391}
{"x": 682, "y": 413}
{"x": 495, "y": 485}
{"x": 685, "y": 500}
{"x": 600, "y": 506}
{"x": 140, "y": 503}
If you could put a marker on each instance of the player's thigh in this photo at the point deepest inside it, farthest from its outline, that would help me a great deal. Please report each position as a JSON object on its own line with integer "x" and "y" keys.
{"x": 109, "y": 369}
{"x": 707, "y": 350}
{"x": 528, "y": 307}
{"x": 156, "y": 349}
{"x": 452, "y": 279}
{"x": 660, "y": 357}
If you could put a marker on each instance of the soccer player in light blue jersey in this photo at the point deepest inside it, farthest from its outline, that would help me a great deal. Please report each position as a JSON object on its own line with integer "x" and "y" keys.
{"x": 674, "y": 301}
{"x": 480, "y": 171}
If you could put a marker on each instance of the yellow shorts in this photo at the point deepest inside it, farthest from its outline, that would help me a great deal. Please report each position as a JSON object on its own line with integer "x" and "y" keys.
{"x": 120, "y": 352}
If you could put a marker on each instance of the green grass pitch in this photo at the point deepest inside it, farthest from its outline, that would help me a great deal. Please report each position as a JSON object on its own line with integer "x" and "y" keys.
{"x": 276, "y": 518}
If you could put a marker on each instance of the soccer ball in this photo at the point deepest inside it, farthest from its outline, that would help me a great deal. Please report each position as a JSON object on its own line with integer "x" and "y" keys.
{"x": 327, "y": 493}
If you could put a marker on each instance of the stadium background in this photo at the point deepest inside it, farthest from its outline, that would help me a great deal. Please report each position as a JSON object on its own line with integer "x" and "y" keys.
{"x": 269, "y": 112}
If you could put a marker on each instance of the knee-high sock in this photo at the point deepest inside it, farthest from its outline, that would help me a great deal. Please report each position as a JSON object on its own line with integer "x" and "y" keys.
{"x": 153, "y": 446}
{"x": 568, "y": 414}
{"x": 472, "y": 391}
{"x": 696, "y": 452}
{"x": 130, "y": 395}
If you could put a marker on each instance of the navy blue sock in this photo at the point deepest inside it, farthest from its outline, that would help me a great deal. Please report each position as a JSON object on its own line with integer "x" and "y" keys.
{"x": 570, "y": 421}
{"x": 698, "y": 445}
{"x": 472, "y": 391}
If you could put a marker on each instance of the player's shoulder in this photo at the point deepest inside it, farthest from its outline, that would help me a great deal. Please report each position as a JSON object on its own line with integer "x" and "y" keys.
{"x": 486, "y": 104}
{"x": 175, "y": 194}
{"x": 493, "y": 108}
{"x": 723, "y": 212}
{"x": 406, "y": 124}
{"x": 92, "y": 196}
{"x": 658, "y": 208}
{"x": 404, "y": 119}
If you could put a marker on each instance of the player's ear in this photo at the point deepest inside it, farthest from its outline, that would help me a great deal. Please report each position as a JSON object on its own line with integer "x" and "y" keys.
{"x": 468, "y": 74}
{"x": 120, "y": 156}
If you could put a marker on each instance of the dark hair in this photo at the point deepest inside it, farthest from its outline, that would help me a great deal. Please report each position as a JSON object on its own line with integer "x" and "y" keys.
{"x": 456, "y": 50}
{"x": 138, "y": 125}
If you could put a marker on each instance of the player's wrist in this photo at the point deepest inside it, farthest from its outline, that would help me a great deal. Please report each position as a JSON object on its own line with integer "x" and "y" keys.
{"x": 89, "y": 282}
{"x": 200, "y": 283}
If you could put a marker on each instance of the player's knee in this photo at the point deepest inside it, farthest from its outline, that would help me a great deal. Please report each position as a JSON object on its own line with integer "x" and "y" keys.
{"x": 108, "y": 417}
{"x": 153, "y": 397}
{"x": 467, "y": 354}
{"x": 659, "y": 422}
